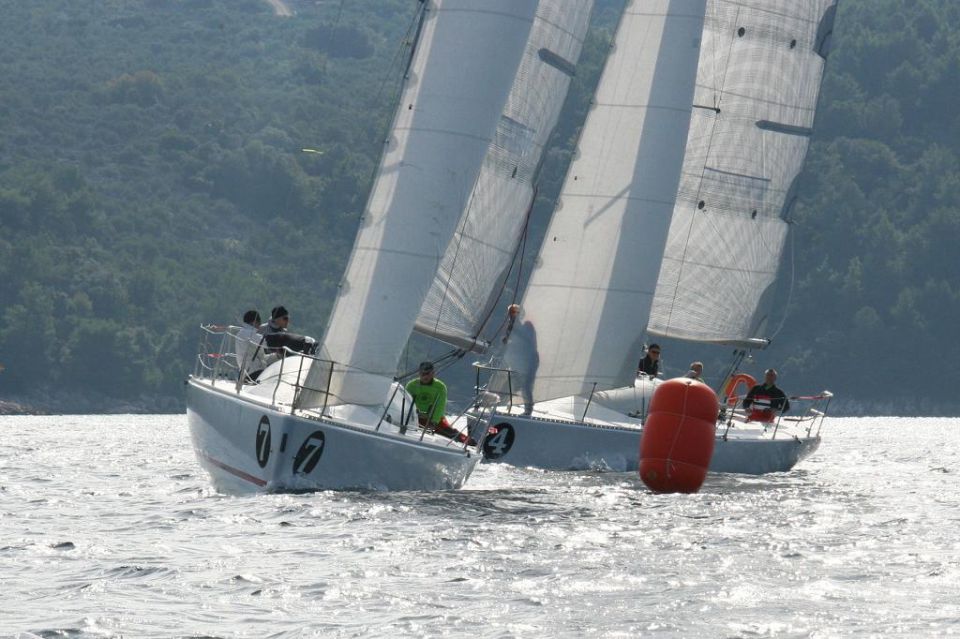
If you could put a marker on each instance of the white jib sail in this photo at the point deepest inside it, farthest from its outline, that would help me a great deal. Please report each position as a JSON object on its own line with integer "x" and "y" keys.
{"x": 759, "y": 78}
{"x": 483, "y": 247}
{"x": 461, "y": 73}
{"x": 589, "y": 294}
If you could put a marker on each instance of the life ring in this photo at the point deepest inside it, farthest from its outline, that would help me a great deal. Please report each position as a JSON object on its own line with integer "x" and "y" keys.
{"x": 730, "y": 390}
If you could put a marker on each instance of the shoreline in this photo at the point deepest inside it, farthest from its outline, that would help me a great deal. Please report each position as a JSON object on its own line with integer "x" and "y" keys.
{"x": 86, "y": 404}
{"x": 16, "y": 408}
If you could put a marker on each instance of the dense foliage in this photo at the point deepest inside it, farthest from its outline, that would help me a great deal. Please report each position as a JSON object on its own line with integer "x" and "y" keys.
{"x": 877, "y": 295}
{"x": 152, "y": 176}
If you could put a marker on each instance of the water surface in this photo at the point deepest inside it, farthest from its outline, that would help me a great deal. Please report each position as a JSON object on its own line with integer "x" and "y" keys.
{"x": 109, "y": 528}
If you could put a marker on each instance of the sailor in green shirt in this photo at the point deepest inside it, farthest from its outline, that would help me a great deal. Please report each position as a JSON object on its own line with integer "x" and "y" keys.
{"x": 430, "y": 397}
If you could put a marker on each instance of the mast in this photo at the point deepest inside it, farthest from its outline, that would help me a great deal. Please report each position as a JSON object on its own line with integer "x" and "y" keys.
{"x": 457, "y": 84}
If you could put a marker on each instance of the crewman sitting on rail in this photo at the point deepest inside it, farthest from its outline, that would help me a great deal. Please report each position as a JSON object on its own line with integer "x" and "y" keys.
{"x": 249, "y": 352}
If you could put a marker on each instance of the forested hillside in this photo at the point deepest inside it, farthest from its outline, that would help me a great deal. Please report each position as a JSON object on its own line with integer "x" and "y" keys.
{"x": 876, "y": 308}
{"x": 153, "y": 176}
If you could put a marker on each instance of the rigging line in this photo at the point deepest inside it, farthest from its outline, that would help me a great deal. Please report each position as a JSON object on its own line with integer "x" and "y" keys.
{"x": 496, "y": 300}
{"x": 333, "y": 41}
{"x": 452, "y": 355}
{"x": 521, "y": 247}
{"x": 718, "y": 98}
{"x": 522, "y": 251}
{"x": 416, "y": 23}
{"x": 786, "y": 307}
{"x": 418, "y": 19}
{"x": 459, "y": 238}
{"x": 408, "y": 40}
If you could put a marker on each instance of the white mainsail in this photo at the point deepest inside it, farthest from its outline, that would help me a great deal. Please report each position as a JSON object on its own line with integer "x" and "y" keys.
{"x": 592, "y": 287}
{"x": 761, "y": 64}
{"x": 460, "y": 75}
{"x": 483, "y": 247}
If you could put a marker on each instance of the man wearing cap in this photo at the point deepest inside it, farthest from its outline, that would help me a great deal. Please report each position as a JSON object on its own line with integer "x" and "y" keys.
{"x": 276, "y": 335}
{"x": 430, "y": 397}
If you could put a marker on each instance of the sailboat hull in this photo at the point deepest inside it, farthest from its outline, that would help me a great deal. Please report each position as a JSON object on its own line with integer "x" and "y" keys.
{"x": 562, "y": 445}
{"x": 759, "y": 455}
{"x": 247, "y": 446}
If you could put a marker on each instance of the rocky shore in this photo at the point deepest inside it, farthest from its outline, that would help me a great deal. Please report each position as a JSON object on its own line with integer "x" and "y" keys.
{"x": 87, "y": 404}
{"x": 16, "y": 408}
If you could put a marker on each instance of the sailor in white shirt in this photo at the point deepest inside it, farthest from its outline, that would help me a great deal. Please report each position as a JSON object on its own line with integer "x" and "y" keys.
{"x": 251, "y": 359}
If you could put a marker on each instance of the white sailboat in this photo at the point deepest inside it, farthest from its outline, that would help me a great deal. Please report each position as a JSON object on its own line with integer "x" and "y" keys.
{"x": 715, "y": 166}
{"x": 339, "y": 420}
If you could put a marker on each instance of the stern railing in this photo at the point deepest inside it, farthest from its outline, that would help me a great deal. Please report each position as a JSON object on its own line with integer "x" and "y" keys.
{"x": 814, "y": 411}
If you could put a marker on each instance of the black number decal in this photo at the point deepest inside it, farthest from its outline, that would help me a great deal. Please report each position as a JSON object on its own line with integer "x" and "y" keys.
{"x": 309, "y": 454}
{"x": 263, "y": 442}
{"x": 499, "y": 440}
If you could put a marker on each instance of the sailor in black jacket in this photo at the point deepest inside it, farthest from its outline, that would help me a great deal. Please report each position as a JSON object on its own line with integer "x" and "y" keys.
{"x": 650, "y": 364}
{"x": 766, "y": 399}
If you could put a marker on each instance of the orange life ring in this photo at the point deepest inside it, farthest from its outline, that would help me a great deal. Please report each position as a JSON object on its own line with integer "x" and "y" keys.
{"x": 730, "y": 390}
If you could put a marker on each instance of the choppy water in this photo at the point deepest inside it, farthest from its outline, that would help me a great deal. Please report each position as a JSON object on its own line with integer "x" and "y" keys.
{"x": 108, "y": 528}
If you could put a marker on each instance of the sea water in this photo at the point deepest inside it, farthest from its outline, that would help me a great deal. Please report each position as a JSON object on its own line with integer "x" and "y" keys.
{"x": 109, "y": 528}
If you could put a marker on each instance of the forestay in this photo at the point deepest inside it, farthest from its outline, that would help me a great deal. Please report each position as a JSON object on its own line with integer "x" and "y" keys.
{"x": 479, "y": 257}
{"x": 460, "y": 75}
{"x": 590, "y": 293}
{"x": 761, "y": 64}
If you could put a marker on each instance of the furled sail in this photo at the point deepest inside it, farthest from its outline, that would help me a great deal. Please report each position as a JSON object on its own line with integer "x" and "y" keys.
{"x": 480, "y": 254}
{"x": 460, "y": 75}
{"x": 761, "y": 63}
{"x": 592, "y": 287}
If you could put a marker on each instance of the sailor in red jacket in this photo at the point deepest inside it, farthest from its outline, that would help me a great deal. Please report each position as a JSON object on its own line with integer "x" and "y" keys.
{"x": 766, "y": 399}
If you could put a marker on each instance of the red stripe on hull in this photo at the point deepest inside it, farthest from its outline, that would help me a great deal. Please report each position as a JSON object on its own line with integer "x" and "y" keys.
{"x": 235, "y": 471}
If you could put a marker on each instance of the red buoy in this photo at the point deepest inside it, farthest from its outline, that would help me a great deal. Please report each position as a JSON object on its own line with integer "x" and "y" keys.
{"x": 678, "y": 436}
